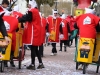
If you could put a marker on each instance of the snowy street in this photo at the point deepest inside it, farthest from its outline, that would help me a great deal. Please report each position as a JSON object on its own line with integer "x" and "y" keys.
{"x": 61, "y": 64}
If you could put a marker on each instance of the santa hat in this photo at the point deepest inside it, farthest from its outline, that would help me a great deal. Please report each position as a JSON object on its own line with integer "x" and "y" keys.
{"x": 55, "y": 11}
{"x": 63, "y": 16}
{"x": 1, "y": 10}
{"x": 88, "y": 10}
{"x": 16, "y": 8}
{"x": 33, "y": 3}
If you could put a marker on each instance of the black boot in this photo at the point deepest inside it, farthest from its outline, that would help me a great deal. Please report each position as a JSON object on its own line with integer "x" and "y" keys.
{"x": 31, "y": 67}
{"x": 60, "y": 46}
{"x": 65, "y": 48}
{"x": 5, "y": 64}
{"x": 60, "y": 49}
{"x": 12, "y": 63}
{"x": 41, "y": 50}
{"x": 55, "y": 51}
{"x": 40, "y": 66}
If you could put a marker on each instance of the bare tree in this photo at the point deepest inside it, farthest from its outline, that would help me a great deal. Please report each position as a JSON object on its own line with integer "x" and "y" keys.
{"x": 61, "y": 6}
{"x": 39, "y": 2}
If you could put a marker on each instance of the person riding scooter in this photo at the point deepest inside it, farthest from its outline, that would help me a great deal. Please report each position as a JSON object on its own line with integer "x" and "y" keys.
{"x": 88, "y": 25}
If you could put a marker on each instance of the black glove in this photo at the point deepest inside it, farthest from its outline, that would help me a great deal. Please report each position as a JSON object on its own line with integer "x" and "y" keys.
{"x": 2, "y": 15}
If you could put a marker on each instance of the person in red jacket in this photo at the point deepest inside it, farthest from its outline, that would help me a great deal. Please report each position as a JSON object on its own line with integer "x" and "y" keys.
{"x": 15, "y": 12}
{"x": 53, "y": 30}
{"x": 2, "y": 25}
{"x": 11, "y": 27}
{"x": 66, "y": 32}
{"x": 32, "y": 33}
{"x": 43, "y": 34}
{"x": 68, "y": 19}
{"x": 88, "y": 26}
{"x": 72, "y": 22}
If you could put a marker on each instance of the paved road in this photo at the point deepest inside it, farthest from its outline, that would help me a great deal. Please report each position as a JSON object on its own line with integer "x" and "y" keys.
{"x": 61, "y": 64}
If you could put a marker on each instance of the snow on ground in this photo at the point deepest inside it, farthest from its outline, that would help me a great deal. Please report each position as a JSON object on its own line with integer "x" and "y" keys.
{"x": 61, "y": 64}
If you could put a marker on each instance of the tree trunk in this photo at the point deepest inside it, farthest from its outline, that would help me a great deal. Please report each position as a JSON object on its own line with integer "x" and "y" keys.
{"x": 39, "y": 7}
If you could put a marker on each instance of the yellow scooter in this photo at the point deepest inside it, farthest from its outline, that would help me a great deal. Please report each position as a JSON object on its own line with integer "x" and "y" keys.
{"x": 4, "y": 52}
{"x": 86, "y": 53}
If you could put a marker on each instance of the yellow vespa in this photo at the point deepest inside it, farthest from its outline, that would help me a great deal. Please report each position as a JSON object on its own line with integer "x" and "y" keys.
{"x": 86, "y": 53}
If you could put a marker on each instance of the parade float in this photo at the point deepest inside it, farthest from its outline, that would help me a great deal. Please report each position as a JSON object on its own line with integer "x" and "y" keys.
{"x": 87, "y": 49}
{"x": 81, "y": 5}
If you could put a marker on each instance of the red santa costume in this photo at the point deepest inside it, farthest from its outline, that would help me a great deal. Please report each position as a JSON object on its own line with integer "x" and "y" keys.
{"x": 87, "y": 24}
{"x": 2, "y": 26}
{"x": 43, "y": 29}
{"x": 72, "y": 22}
{"x": 73, "y": 31}
{"x": 65, "y": 29}
{"x": 68, "y": 18}
{"x": 53, "y": 30}
{"x": 11, "y": 28}
{"x": 17, "y": 14}
{"x": 32, "y": 30}
{"x": 11, "y": 24}
{"x": 54, "y": 24}
{"x": 32, "y": 33}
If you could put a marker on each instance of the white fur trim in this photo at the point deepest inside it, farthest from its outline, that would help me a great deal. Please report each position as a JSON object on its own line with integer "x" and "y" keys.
{"x": 55, "y": 12}
{"x": 87, "y": 10}
{"x": 33, "y": 3}
{"x": 40, "y": 14}
{"x": 63, "y": 16}
{"x": 32, "y": 36}
{"x": 7, "y": 13}
{"x": 2, "y": 12}
{"x": 31, "y": 42}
